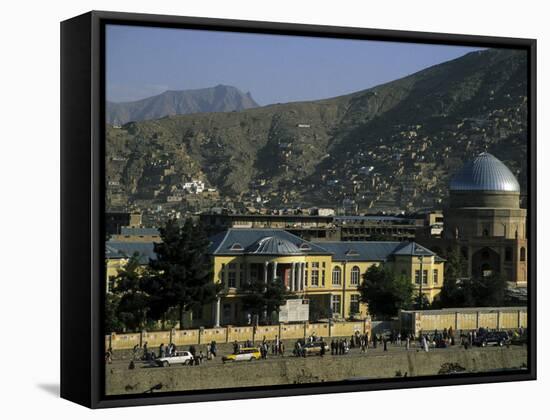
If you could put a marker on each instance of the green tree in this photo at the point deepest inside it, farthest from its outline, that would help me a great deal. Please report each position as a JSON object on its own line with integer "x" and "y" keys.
{"x": 131, "y": 309}
{"x": 485, "y": 291}
{"x": 262, "y": 299}
{"x": 472, "y": 292}
{"x": 452, "y": 292}
{"x": 112, "y": 321}
{"x": 181, "y": 274}
{"x": 385, "y": 293}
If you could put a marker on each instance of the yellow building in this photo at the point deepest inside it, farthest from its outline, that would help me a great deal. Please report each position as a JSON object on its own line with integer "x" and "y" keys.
{"x": 327, "y": 274}
{"x": 117, "y": 254}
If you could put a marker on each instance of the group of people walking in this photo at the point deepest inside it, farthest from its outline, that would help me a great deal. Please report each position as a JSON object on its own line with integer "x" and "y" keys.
{"x": 337, "y": 346}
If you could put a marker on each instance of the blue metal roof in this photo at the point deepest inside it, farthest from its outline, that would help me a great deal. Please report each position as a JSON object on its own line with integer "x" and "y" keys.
{"x": 360, "y": 251}
{"x": 413, "y": 249}
{"x": 261, "y": 241}
{"x": 485, "y": 173}
{"x": 122, "y": 249}
{"x": 374, "y": 251}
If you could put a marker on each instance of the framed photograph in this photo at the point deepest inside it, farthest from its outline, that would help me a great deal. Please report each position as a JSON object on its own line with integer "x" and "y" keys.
{"x": 255, "y": 209}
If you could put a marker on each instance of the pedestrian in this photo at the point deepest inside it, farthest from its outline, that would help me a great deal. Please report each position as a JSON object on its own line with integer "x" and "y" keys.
{"x": 161, "y": 350}
{"x": 281, "y": 349}
{"x": 408, "y": 343}
{"x": 399, "y": 339}
{"x": 332, "y": 347}
{"x": 385, "y": 344}
{"x": 201, "y": 357}
{"x": 134, "y": 351}
{"x": 425, "y": 343}
{"x": 145, "y": 351}
{"x": 213, "y": 348}
{"x": 322, "y": 348}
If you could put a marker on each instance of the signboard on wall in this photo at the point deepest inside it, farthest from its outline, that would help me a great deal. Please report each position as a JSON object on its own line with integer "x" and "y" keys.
{"x": 294, "y": 310}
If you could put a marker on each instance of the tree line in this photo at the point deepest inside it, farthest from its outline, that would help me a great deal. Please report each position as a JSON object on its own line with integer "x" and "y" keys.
{"x": 386, "y": 293}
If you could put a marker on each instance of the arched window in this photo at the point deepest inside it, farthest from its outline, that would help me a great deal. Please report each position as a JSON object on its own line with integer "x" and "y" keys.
{"x": 522, "y": 254}
{"x": 336, "y": 276}
{"x": 355, "y": 273}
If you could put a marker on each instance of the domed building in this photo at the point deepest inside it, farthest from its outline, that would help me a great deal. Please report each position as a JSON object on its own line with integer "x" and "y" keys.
{"x": 484, "y": 218}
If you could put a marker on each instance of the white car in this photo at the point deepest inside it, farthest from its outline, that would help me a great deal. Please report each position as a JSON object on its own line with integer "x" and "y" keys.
{"x": 182, "y": 358}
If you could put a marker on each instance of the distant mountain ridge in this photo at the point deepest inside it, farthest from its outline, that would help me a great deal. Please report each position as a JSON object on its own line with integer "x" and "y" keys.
{"x": 220, "y": 98}
{"x": 389, "y": 148}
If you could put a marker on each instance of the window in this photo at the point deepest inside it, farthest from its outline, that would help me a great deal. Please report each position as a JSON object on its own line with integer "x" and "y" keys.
{"x": 354, "y": 304}
{"x": 436, "y": 276}
{"x": 336, "y": 276}
{"x": 315, "y": 274}
{"x": 222, "y": 275}
{"x": 522, "y": 254}
{"x": 227, "y": 312}
{"x": 253, "y": 273}
{"x": 424, "y": 276}
{"x": 323, "y": 278}
{"x": 355, "y": 273}
{"x": 335, "y": 302}
{"x": 508, "y": 254}
{"x": 232, "y": 279}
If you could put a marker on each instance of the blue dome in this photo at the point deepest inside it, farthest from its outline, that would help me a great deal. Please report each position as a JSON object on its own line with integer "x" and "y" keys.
{"x": 485, "y": 173}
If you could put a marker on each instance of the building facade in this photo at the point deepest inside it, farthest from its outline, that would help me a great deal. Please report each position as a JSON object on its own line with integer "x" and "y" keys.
{"x": 326, "y": 274}
{"x": 485, "y": 221}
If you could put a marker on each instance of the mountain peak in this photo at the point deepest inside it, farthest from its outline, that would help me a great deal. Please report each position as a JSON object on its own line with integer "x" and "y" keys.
{"x": 220, "y": 98}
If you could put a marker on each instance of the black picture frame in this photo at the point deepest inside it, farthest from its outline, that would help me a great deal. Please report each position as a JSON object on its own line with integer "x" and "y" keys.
{"x": 82, "y": 205}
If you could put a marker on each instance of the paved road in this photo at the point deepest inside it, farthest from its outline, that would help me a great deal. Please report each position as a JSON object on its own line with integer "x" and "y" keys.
{"x": 354, "y": 352}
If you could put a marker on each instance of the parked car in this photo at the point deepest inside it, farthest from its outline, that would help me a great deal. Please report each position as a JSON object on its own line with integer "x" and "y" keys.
{"x": 182, "y": 358}
{"x": 314, "y": 349}
{"x": 244, "y": 354}
{"x": 496, "y": 338}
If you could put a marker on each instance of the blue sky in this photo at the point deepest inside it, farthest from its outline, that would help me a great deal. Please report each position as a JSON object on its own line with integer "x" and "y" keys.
{"x": 145, "y": 61}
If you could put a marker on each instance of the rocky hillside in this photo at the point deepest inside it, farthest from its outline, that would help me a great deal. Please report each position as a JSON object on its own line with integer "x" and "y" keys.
{"x": 390, "y": 147}
{"x": 172, "y": 102}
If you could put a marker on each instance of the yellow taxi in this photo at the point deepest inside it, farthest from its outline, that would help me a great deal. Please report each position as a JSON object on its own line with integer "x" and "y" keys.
{"x": 244, "y": 354}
